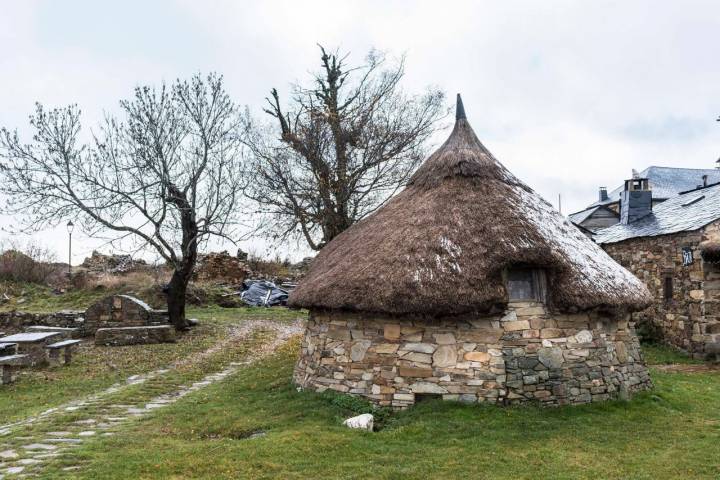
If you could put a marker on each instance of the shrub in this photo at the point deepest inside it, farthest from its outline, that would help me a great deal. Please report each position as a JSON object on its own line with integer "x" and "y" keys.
{"x": 31, "y": 263}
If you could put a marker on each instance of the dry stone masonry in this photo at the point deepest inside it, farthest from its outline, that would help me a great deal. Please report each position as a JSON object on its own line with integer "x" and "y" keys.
{"x": 686, "y": 311}
{"x": 114, "y": 320}
{"x": 122, "y": 311}
{"x": 525, "y": 355}
{"x": 135, "y": 335}
{"x": 469, "y": 286}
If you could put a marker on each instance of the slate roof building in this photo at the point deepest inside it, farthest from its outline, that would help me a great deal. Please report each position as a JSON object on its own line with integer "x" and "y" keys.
{"x": 469, "y": 286}
{"x": 664, "y": 183}
{"x": 675, "y": 249}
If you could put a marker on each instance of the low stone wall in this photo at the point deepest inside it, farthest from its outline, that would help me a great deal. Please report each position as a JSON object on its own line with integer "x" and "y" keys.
{"x": 122, "y": 311}
{"x": 13, "y": 322}
{"x": 135, "y": 335}
{"x": 525, "y": 355}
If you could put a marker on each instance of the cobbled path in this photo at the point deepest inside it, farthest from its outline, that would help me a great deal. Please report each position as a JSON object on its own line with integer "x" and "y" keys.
{"x": 27, "y": 445}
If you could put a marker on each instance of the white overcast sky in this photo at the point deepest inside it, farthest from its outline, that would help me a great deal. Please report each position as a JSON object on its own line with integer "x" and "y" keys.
{"x": 569, "y": 95}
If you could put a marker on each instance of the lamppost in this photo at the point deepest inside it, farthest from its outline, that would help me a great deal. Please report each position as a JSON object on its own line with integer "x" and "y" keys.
{"x": 70, "y": 227}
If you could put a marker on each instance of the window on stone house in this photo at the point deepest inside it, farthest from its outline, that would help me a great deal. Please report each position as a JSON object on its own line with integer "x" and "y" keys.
{"x": 668, "y": 288}
{"x": 526, "y": 284}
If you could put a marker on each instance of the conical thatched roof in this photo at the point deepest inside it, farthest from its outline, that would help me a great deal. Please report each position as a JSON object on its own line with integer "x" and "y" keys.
{"x": 440, "y": 246}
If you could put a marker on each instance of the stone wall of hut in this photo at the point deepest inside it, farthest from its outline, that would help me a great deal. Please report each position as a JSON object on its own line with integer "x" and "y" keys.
{"x": 690, "y": 320}
{"x": 525, "y": 355}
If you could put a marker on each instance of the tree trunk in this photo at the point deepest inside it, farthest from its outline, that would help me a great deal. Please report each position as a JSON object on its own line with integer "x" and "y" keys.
{"x": 183, "y": 268}
{"x": 176, "y": 300}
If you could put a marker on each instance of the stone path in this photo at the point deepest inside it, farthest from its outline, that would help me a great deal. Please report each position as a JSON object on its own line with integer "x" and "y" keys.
{"x": 28, "y": 444}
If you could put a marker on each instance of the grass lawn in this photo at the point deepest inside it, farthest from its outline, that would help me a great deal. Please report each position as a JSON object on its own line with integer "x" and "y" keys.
{"x": 95, "y": 368}
{"x": 671, "y": 432}
{"x": 658, "y": 354}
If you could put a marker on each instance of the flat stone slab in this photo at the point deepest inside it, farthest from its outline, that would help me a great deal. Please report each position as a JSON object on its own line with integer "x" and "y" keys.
{"x": 63, "y": 331}
{"x": 135, "y": 335}
{"x": 63, "y": 344}
{"x": 39, "y": 446}
{"x": 9, "y": 455}
{"x": 32, "y": 337}
{"x": 14, "y": 360}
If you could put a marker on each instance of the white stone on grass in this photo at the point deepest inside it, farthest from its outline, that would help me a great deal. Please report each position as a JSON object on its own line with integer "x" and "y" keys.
{"x": 8, "y": 455}
{"x": 39, "y": 446}
{"x": 87, "y": 433}
{"x": 361, "y": 422}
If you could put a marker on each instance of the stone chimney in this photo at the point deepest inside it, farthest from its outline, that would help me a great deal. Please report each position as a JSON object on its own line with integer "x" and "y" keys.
{"x": 636, "y": 200}
{"x": 602, "y": 194}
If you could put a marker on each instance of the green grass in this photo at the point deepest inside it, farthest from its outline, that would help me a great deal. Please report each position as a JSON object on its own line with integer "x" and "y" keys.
{"x": 95, "y": 368}
{"x": 215, "y": 313}
{"x": 34, "y": 298}
{"x": 670, "y": 432}
{"x": 658, "y": 354}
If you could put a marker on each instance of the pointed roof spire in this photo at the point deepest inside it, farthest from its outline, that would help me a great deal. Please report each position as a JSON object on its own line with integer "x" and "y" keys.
{"x": 459, "y": 109}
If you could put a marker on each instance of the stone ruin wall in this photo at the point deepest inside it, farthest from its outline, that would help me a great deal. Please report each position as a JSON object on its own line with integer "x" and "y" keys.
{"x": 121, "y": 311}
{"x": 112, "y": 311}
{"x": 15, "y": 322}
{"x": 525, "y": 355}
{"x": 691, "y": 320}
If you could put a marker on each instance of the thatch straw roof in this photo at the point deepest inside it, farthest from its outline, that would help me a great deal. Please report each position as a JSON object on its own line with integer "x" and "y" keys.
{"x": 441, "y": 245}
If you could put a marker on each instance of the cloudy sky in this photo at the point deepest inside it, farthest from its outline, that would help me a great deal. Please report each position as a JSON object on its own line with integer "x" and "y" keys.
{"x": 569, "y": 95}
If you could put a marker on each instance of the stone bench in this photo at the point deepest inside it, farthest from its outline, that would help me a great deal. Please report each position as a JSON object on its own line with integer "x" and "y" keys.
{"x": 135, "y": 335}
{"x": 65, "y": 346}
{"x": 33, "y": 344}
{"x": 64, "y": 332}
{"x": 9, "y": 366}
{"x": 8, "y": 349}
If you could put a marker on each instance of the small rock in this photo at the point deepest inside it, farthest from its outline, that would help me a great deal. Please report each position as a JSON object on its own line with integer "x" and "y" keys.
{"x": 362, "y": 422}
{"x": 87, "y": 433}
{"x": 427, "y": 387}
{"x": 8, "y": 455}
{"x": 14, "y": 470}
{"x": 89, "y": 421}
{"x": 584, "y": 336}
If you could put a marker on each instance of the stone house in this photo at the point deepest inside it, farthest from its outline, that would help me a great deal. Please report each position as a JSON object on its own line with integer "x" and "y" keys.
{"x": 673, "y": 248}
{"x": 468, "y": 286}
{"x": 663, "y": 183}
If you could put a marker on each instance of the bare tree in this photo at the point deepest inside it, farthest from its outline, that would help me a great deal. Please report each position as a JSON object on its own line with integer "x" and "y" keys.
{"x": 343, "y": 147}
{"x": 167, "y": 176}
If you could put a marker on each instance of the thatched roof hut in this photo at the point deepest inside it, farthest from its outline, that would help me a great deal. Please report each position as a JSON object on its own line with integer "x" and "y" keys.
{"x": 469, "y": 286}
{"x": 441, "y": 245}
